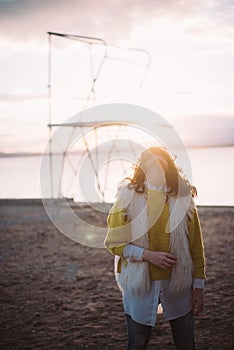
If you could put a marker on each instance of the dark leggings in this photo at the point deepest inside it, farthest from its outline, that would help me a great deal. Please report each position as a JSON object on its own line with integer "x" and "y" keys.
{"x": 138, "y": 334}
{"x": 182, "y": 331}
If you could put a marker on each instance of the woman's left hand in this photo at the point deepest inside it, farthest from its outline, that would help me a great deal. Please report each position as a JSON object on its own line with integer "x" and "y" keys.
{"x": 197, "y": 301}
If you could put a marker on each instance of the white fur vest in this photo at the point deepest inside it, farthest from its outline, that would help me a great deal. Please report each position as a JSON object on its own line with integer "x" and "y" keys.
{"x": 135, "y": 277}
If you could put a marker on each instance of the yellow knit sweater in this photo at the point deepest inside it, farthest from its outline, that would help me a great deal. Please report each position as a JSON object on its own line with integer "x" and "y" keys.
{"x": 159, "y": 239}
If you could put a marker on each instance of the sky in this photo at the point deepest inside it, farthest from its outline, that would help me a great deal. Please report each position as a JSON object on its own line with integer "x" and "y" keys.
{"x": 189, "y": 82}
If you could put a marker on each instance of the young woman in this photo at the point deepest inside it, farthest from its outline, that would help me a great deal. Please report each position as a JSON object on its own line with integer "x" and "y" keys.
{"x": 155, "y": 234}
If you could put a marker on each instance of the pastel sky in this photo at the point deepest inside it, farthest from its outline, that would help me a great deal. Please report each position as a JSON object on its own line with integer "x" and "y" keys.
{"x": 189, "y": 83}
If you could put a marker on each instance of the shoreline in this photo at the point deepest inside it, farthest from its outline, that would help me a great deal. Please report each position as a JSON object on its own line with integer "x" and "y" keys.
{"x": 36, "y": 201}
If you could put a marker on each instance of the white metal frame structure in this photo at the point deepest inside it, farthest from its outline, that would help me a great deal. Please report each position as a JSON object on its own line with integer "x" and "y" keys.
{"x": 83, "y": 125}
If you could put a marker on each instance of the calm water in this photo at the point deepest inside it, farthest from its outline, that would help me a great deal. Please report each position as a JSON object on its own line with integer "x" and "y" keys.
{"x": 212, "y": 170}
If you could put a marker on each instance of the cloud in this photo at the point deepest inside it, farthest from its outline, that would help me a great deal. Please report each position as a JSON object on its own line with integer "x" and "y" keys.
{"x": 17, "y": 97}
{"x": 206, "y": 130}
{"x": 217, "y": 22}
{"x": 5, "y": 135}
{"x": 25, "y": 20}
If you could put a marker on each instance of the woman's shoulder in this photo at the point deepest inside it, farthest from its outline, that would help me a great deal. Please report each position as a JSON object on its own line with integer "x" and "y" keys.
{"x": 124, "y": 193}
{"x": 123, "y": 184}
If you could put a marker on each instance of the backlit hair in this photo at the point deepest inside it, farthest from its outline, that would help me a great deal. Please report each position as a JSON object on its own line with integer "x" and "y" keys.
{"x": 175, "y": 179}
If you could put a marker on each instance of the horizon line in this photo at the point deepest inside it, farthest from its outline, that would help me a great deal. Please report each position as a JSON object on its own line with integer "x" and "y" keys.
{"x": 25, "y": 154}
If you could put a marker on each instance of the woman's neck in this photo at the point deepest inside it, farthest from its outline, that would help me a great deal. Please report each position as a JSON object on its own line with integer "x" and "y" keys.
{"x": 155, "y": 182}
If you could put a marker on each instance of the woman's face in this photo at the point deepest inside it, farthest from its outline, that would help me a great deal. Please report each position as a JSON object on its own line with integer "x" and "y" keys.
{"x": 156, "y": 164}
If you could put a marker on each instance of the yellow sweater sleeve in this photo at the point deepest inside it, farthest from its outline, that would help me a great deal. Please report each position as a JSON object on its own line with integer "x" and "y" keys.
{"x": 197, "y": 246}
{"x": 118, "y": 234}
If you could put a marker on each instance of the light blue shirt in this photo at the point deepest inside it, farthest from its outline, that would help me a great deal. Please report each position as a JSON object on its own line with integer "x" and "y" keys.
{"x": 143, "y": 309}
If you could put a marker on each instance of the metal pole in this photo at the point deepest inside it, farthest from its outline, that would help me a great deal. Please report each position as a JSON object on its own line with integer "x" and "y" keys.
{"x": 49, "y": 117}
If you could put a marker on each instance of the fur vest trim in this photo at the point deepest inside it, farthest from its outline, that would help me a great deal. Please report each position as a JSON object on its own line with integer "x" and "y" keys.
{"x": 134, "y": 277}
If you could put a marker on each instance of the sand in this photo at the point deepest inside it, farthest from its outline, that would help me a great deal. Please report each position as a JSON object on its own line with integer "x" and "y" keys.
{"x": 58, "y": 294}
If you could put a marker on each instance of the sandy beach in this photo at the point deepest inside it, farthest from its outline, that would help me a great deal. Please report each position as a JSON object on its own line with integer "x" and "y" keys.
{"x": 58, "y": 294}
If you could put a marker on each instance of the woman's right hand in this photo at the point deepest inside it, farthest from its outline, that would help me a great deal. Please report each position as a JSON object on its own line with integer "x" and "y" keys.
{"x": 160, "y": 259}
